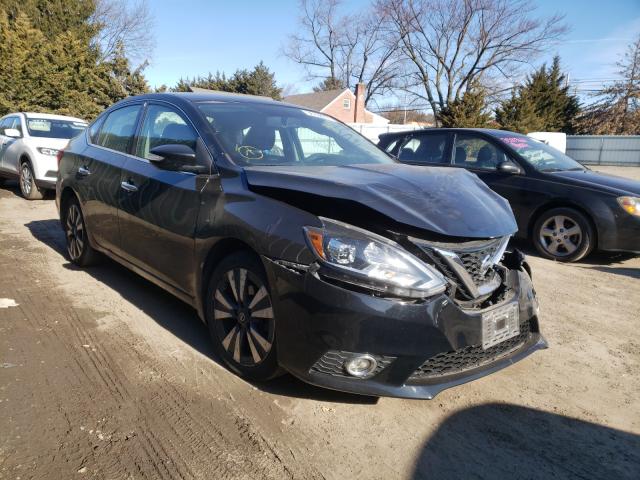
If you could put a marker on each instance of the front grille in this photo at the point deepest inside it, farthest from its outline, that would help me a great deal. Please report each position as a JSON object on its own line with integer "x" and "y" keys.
{"x": 468, "y": 358}
{"x": 331, "y": 363}
{"x": 470, "y": 265}
{"x": 472, "y": 262}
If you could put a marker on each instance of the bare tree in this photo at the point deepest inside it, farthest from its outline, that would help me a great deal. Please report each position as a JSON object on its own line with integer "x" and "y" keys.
{"x": 449, "y": 44}
{"x": 343, "y": 49}
{"x": 124, "y": 26}
{"x": 617, "y": 108}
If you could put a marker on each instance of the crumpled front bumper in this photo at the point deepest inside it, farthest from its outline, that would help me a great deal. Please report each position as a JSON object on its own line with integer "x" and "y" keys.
{"x": 316, "y": 318}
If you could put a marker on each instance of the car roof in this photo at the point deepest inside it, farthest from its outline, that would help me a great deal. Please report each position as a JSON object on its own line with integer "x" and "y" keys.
{"x": 213, "y": 96}
{"x": 51, "y": 116}
{"x": 488, "y": 131}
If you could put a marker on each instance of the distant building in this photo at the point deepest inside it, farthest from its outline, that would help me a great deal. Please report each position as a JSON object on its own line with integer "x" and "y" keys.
{"x": 342, "y": 104}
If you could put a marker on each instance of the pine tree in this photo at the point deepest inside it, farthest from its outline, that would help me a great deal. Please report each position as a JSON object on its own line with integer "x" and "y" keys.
{"x": 259, "y": 81}
{"x": 519, "y": 114}
{"x": 329, "y": 83}
{"x": 470, "y": 111}
{"x": 543, "y": 103}
{"x": 51, "y": 64}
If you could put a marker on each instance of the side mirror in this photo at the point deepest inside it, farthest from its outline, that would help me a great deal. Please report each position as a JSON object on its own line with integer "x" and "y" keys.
{"x": 509, "y": 167}
{"x": 176, "y": 157}
{"x": 12, "y": 132}
{"x": 173, "y": 153}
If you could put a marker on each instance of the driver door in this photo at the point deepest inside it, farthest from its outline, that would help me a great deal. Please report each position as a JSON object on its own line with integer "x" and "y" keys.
{"x": 482, "y": 157}
{"x": 159, "y": 208}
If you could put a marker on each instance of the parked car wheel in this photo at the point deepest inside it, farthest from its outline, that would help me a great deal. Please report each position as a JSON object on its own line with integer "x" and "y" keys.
{"x": 563, "y": 234}
{"x": 240, "y": 317}
{"x": 79, "y": 249}
{"x": 28, "y": 186}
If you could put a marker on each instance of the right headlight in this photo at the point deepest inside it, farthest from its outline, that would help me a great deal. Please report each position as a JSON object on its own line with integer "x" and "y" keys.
{"x": 358, "y": 256}
{"x": 630, "y": 205}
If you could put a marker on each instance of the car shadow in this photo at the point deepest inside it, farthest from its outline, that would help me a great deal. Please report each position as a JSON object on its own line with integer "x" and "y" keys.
{"x": 11, "y": 186}
{"x": 174, "y": 315}
{"x": 595, "y": 258}
{"x": 499, "y": 441}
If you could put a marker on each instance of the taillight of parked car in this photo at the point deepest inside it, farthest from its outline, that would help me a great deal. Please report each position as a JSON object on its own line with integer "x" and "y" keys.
{"x": 59, "y": 156}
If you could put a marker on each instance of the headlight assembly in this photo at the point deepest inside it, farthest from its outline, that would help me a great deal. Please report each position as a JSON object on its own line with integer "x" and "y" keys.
{"x": 48, "y": 151}
{"x": 363, "y": 258}
{"x": 630, "y": 205}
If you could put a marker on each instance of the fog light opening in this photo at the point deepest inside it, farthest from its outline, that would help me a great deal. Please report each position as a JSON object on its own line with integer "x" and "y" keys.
{"x": 361, "y": 366}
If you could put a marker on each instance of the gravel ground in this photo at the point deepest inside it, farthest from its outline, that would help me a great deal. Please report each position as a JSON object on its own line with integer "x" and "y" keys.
{"x": 103, "y": 375}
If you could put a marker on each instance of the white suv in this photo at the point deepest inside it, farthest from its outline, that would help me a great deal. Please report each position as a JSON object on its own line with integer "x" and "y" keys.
{"x": 29, "y": 143}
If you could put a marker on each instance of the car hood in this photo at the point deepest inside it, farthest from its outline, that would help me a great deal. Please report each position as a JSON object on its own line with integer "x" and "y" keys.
{"x": 448, "y": 201}
{"x": 603, "y": 181}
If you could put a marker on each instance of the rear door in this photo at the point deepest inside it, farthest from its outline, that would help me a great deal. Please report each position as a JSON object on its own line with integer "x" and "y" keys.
{"x": 9, "y": 146}
{"x": 4, "y": 124}
{"x": 433, "y": 148}
{"x": 159, "y": 208}
{"x": 99, "y": 168}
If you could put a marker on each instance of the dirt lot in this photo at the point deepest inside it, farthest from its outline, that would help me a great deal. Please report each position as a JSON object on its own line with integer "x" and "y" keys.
{"x": 105, "y": 376}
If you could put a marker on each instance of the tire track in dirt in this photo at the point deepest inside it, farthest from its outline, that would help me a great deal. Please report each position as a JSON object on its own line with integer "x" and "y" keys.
{"x": 116, "y": 410}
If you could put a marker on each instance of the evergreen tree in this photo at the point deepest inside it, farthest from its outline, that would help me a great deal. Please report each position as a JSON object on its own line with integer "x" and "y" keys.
{"x": 519, "y": 114}
{"x": 259, "y": 81}
{"x": 543, "y": 103}
{"x": 470, "y": 111}
{"x": 329, "y": 83}
{"x": 50, "y": 62}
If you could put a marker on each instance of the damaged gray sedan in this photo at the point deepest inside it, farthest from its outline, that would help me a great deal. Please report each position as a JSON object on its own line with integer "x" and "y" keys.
{"x": 302, "y": 246}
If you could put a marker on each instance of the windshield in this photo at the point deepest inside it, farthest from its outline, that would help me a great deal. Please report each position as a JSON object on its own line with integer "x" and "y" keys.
{"x": 258, "y": 134}
{"x": 539, "y": 155}
{"x": 46, "y": 127}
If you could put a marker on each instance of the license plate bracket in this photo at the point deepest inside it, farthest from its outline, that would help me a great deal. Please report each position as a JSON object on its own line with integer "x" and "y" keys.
{"x": 500, "y": 324}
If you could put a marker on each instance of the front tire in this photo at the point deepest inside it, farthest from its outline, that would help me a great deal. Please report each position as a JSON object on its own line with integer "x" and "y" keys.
{"x": 79, "y": 249}
{"x": 27, "y": 182}
{"x": 240, "y": 317}
{"x": 563, "y": 234}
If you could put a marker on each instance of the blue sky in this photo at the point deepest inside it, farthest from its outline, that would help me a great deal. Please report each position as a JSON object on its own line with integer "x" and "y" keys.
{"x": 201, "y": 36}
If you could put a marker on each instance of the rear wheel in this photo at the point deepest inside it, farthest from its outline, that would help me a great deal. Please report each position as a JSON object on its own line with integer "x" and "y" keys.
{"x": 28, "y": 186}
{"x": 563, "y": 234}
{"x": 79, "y": 249}
{"x": 241, "y": 319}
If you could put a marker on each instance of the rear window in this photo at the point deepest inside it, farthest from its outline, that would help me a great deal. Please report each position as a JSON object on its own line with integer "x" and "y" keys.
{"x": 118, "y": 128}
{"x": 49, "y": 128}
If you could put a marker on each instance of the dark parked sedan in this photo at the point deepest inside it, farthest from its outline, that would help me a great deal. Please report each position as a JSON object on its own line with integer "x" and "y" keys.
{"x": 566, "y": 209}
{"x": 300, "y": 244}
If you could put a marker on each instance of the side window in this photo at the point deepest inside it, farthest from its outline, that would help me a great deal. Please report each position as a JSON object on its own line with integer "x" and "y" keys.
{"x": 94, "y": 129}
{"x": 475, "y": 152}
{"x": 118, "y": 128}
{"x": 391, "y": 147}
{"x": 4, "y": 124}
{"x": 163, "y": 125}
{"x": 430, "y": 148}
{"x": 17, "y": 124}
{"x": 313, "y": 142}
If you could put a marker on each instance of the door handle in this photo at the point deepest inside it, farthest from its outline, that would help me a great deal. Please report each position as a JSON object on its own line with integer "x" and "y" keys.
{"x": 84, "y": 171}
{"x": 128, "y": 187}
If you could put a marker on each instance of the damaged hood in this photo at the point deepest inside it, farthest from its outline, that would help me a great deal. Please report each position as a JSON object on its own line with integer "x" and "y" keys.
{"x": 448, "y": 201}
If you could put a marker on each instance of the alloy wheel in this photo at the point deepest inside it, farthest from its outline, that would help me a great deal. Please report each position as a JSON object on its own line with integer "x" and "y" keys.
{"x": 26, "y": 180}
{"x": 560, "y": 236}
{"x": 243, "y": 317}
{"x": 75, "y": 232}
